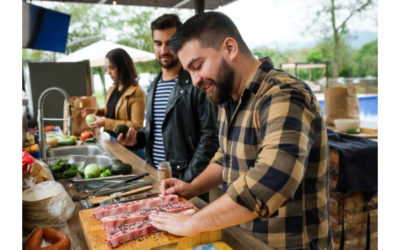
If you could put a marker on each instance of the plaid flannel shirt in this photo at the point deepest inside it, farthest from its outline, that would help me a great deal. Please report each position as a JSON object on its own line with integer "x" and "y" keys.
{"x": 274, "y": 155}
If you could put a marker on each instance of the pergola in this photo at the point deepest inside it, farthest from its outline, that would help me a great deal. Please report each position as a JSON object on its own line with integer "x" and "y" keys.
{"x": 306, "y": 66}
{"x": 198, "y": 5}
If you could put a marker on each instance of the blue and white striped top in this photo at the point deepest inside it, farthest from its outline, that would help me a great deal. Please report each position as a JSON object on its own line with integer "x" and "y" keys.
{"x": 161, "y": 96}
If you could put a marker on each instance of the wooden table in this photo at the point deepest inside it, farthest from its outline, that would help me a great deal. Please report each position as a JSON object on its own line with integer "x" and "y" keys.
{"x": 235, "y": 237}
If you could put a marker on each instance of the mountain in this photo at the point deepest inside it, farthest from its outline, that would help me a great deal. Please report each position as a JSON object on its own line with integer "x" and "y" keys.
{"x": 358, "y": 38}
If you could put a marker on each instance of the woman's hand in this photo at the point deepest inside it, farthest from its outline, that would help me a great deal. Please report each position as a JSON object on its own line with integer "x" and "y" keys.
{"x": 88, "y": 110}
{"x": 98, "y": 123}
{"x": 129, "y": 139}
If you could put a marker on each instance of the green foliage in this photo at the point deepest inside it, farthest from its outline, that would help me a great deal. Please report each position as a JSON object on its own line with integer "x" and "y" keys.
{"x": 353, "y": 63}
{"x": 367, "y": 59}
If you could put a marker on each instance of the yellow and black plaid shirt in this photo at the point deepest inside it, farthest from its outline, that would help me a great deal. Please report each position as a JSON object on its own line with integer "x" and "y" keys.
{"x": 273, "y": 149}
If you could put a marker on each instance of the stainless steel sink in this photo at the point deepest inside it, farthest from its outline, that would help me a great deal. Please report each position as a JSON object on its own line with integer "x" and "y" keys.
{"x": 76, "y": 150}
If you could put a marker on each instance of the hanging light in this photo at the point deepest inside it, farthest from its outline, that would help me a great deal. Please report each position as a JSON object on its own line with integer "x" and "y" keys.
{"x": 114, "y": 2}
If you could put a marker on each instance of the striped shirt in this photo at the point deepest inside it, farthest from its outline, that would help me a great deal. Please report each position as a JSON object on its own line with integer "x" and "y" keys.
{"x": 274, "y": 156}
{"x": 161, "y": 97}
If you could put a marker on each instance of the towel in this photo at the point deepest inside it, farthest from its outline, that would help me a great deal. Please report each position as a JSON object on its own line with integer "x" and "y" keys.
{"x": 358, "y": 162}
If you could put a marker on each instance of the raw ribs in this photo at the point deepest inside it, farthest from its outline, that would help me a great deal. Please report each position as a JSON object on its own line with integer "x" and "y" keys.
{"x": 130, "y": 207}
{"x": 128, "y": 221}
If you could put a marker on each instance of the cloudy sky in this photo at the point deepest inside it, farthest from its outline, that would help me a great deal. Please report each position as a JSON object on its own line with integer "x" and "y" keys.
{"x": 284, "y": 23}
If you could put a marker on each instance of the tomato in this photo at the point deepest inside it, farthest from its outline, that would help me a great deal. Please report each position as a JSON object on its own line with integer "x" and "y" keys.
{"x": 49, "y": 128}
{"x": 85, "y": 135}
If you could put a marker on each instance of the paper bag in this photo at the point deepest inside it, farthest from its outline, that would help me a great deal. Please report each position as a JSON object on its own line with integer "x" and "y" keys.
{"x": 77, "y": 104}
{"x": 341, "y": 102}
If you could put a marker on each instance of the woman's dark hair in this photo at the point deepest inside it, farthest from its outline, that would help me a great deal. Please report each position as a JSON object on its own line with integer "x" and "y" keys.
{"x": 126, "y": 69}
{"x": 210, "y": 28}
{"x": 165, "y": 21}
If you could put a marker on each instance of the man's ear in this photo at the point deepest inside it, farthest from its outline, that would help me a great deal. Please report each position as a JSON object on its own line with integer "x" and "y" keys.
{"x": 231, "y": 48}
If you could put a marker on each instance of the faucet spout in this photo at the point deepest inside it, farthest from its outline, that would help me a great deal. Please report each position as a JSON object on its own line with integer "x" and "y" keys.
{"x": 42, "y": 140}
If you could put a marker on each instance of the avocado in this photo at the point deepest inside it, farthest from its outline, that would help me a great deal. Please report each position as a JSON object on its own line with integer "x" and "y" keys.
{"x": 122, "y": 128}
{"x": 121, "y": 168}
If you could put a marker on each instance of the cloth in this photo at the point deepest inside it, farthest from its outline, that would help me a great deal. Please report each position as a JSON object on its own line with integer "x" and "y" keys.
{"x": 161, "y": 96}
{"x": 112, "y": 102}
{"x": 274, "y": 155}
{"x": 190, "y": 134}
{"x": 358, "y": 162}
{"x": 129, "y": 109}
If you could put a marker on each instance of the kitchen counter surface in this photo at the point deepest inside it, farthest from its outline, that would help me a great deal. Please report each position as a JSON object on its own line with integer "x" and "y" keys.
{"x": 235, "y": 237}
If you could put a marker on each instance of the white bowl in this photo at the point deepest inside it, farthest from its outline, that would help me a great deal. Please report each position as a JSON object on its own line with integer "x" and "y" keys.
{"x": 343, "y": 125}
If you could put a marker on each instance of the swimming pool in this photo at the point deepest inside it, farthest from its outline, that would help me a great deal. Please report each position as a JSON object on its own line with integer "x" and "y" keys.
{"x": 368, "y": 107}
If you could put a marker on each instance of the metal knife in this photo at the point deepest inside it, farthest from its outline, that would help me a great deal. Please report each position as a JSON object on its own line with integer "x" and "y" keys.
{"x": 120, "y": 182}
{"x": 137, "y": 184}
{"x": 133, "y": 197}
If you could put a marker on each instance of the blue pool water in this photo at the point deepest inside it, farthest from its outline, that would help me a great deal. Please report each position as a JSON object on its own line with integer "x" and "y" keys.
{"x": 368, "y": 106}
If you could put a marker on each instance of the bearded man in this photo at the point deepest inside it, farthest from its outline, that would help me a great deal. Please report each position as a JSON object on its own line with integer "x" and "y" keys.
{"x": 272, "y": 156}
{"x": 181, "y": 125}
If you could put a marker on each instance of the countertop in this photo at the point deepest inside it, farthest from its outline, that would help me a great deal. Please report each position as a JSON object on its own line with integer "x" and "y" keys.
{"x": 235, "y": 237}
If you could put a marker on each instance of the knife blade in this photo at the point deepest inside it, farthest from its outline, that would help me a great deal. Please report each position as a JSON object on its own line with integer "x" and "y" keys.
{"x": 120, "y": 182}
{"x": 137, "y": 184}
{"x": 133, "y": 197}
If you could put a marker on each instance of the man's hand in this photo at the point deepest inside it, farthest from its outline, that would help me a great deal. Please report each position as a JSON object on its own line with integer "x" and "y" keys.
{"x": 177, "y": 224}
{"x": 130, "y": 138}
{"x": 88, "y": 110}
{"x": 98, "y": 123}
{"x": 176, "y": 186}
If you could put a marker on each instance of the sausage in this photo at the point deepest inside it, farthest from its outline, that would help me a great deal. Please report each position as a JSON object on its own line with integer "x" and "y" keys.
{"x": 34, "y": 241}
{"x": 60, "y": 241}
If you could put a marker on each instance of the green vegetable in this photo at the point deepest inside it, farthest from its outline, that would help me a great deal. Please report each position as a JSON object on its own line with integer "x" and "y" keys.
{"x": 353, "y": 131}
{"x": 57, "y": 176}
{"x": 92, "y": 170}
{"x": 121, "y": 168}
{"x": 105, "y": 174}
{"x": 91, "y": 140}
{"x": 104, "y": 168}
{"x": 59, "y": 167}
{"x": 90, "y": 118}
{"x": 69, "y": 173}
{"x": 66, "y": 141}
{"x": 122, "y": 128}
{"x": 82, "y": 171}
{"x": 89, "y": 176}
{"x": 108, "y": 171}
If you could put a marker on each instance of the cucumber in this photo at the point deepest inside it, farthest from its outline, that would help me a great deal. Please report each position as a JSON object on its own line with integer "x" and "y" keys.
{"x": 66, "y": 141}
{"x": 91, "y": 140}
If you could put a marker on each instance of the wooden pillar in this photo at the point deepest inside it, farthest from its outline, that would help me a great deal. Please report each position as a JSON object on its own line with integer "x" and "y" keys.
{"x": 199, "y": 6}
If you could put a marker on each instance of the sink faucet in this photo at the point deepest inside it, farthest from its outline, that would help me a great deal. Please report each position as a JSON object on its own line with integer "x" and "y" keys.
{"x": 42, "y": 138}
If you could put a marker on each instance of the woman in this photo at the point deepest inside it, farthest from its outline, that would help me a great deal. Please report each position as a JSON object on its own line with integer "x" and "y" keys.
{"x": 125, "y": 101}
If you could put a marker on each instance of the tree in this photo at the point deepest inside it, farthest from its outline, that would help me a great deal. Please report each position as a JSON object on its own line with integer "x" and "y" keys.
{"x": 339, "y": 12}
{"x": 367, "y": 59}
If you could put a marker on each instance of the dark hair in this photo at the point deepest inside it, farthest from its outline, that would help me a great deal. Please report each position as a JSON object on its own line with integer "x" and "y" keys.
{"x": 210, "y": 28}
{"x": 126, "y": 69}
{"x": 165, "y": 21}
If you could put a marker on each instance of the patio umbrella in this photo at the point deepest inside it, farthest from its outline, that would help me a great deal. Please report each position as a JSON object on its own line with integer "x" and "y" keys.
{"x": 97, "y": 51}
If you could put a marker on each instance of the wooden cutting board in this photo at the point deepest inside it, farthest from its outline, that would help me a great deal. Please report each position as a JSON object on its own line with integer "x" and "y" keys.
{"x": 96, "y": 237}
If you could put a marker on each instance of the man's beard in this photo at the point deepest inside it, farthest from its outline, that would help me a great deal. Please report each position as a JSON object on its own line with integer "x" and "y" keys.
{"x": 223, "y": 86}
{"x": 170, "y": 64}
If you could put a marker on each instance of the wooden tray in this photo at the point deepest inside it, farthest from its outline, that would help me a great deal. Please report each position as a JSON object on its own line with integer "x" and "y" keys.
{"x": 95, "y": 237}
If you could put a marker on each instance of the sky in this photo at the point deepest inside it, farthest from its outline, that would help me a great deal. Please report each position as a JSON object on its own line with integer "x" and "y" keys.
{"x": 284, "y": 23}
{"x": 278, "y": 24}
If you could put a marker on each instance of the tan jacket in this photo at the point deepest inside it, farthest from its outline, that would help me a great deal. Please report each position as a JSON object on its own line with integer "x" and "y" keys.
{"x": 129, "y": 109}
